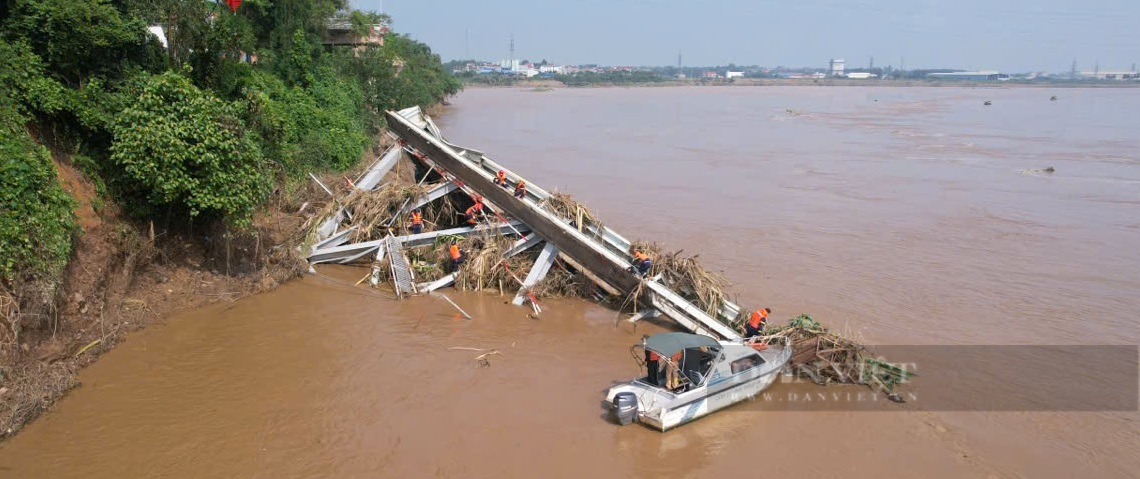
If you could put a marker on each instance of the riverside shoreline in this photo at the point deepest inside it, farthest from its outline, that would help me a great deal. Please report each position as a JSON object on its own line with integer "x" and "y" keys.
{"x": 761, "y": 82}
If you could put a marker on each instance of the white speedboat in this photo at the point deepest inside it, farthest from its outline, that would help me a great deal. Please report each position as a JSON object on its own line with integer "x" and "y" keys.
{"x": 688, "y": 376}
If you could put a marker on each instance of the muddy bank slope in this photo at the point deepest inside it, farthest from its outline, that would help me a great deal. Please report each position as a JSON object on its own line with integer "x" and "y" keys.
{"x": 124, "y": 275}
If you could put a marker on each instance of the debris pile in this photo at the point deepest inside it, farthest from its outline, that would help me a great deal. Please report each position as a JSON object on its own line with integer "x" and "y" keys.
{"x": 564, "y": 282}
{"x": 486, "y": 266}
{"x": 706, "y": 289}
{"x": 826, "y": 357}
{"x": 565, "y": 206}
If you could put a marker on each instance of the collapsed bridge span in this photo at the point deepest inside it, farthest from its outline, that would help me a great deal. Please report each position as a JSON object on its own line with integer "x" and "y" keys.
{"x": 584, "y": 245}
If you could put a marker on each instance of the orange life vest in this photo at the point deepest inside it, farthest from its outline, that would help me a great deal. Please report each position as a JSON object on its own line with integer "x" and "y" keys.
{"x": 521, "y": 186}
{"x": 653, "y": 356}
{"x": 758, "y": 316}
{"x": 640, "y": 256}
{"x": 475, "y": 209}
{"x": 454, "y": 252}
{"x": 417, "y": 218}
{"x": 502, "y": 177}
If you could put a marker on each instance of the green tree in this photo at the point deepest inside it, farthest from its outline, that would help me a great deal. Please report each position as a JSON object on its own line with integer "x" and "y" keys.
{"x": 422, "y": 80}
{"x": 275, "y": 21}
{"x": 296, "y": 65}
{"x": 79, "y": 38}
{"x": 25, "y": 88}
{"x": 183, "y": 149}
{"x": 319, "y": 127}
{"x": 362, "y": 22}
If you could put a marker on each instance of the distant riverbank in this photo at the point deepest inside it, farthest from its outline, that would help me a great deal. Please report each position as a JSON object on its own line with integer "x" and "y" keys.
{"x": 549, "y": 83}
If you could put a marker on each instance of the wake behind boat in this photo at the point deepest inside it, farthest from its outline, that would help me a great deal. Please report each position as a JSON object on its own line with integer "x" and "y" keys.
{"x": 689, "y": 376}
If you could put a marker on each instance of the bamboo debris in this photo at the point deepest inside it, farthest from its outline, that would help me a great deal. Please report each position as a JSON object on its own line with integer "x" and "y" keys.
{"x": 373, "y": 211}
{"x": 836, "y": 357}
{"x": 565, "y": 206}
{"x": 484, "y": 267}
{"x": 561, "y": 281}
{"x": 706, "y": 289}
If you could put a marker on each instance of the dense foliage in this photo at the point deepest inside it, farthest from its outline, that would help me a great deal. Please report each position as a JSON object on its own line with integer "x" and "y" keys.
{"x": 178, "y": 147}
{"x": 36, "y": 216}
{"x": 78, "y": 38}
{"x": 197, "y": 124}
{"x": 308, "y": 128}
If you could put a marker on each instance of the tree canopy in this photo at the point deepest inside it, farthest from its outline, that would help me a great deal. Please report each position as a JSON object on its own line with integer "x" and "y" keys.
{"x": 200, "y": 127}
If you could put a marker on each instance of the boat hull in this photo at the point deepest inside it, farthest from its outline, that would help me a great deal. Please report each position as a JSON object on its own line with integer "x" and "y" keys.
{"x": 667, "y": 418}
{"x": 740, "y": 372}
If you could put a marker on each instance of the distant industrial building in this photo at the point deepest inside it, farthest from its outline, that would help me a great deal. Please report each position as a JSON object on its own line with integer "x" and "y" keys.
{"x": 861, "y": 75}
{"x": 835, "y": 67}
{"x": 733, "y": 74}
{"x": 1110, "y": 75}
{"x": 973, "y": 76}
{"x": 511, "y": 65}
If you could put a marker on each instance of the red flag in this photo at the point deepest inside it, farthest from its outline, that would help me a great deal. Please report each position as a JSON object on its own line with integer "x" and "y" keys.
{"x": 234, "y": 4}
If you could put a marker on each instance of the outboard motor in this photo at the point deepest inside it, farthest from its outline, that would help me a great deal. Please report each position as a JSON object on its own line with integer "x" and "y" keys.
{"x": 624, "y": 407}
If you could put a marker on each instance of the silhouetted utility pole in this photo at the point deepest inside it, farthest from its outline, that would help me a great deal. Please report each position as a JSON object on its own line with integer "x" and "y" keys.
{"x": 1073, "y": 70}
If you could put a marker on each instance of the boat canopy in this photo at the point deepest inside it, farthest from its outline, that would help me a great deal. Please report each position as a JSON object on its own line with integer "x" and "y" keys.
{"x": 669, "y": 344}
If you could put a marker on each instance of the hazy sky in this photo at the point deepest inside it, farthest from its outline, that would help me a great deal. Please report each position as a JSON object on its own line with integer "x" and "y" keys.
{"x": 1007, "y": 35}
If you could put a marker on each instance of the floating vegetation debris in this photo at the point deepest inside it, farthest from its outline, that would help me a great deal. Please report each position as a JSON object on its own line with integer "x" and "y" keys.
{"x": 828, "y": 357}
{"x": 564, "y": 205}
{"x": 706, "y": 289}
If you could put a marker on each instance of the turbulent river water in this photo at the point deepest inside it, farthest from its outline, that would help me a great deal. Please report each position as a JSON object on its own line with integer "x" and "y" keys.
{"x": 909, "y": 216}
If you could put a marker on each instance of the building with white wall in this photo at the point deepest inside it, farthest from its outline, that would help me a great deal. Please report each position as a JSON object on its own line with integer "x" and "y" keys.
{"x": 835, "y": 67}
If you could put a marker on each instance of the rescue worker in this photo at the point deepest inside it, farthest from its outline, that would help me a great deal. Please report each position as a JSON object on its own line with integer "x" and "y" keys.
{"x": 520, "y": 189}
{"x": 641, "y": 262}
{"x": 653, "y": 367}
{"x": 501, "y": 178}
{"x": 474, "y": 210}
{"x": 417, "y": 222}
{"x": 756, "y": 323}
{"x": 456, "y": 256}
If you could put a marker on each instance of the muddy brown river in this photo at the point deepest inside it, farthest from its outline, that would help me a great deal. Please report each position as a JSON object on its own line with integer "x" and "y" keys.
{"x": 909, "y": 216}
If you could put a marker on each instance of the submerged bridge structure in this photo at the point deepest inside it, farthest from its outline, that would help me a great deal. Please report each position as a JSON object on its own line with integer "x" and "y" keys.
{"x": 600, "y": 253}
